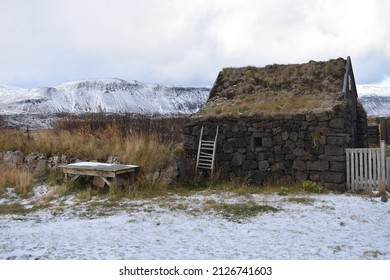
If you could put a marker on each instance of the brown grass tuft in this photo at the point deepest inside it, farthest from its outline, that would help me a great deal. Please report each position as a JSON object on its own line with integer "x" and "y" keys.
{"x": 11, "y": 176}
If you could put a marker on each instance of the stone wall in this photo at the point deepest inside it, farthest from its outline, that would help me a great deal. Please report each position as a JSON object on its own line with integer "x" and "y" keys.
{"x": 281, "y": 148}
{"x": 373, "y": 135}
{"x": 38, "y": 162}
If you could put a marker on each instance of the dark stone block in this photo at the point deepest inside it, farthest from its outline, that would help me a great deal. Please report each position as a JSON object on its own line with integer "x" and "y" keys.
{"x": 227, "y": 148}
{"x": 301, "y": 175}
{"x": 337, "y": 166}
{"x": 294, "y": 136}
{"x": 315, "y": 176}
{"x": 337, "y": 123}
{"x": 335, "y": 140}
{"x": 321, "y": 165}
{"x": 249, "y": 164}
{"x": 261, "y": 156}
{"x": 267, "y": 142}
{"x": 333, "y": 177}
{"x": 226, "y": 157}
{"x": 255, "y": 177}
{"x": 334, "y": 151}
{"x": 335, "y": 158}
{"x": 251, "y": 156}
{"x": 238, "y": 159}
{"x": 263, "y": 165}
{"x": 299, "y": 164}
{"x": 299, "y": 152}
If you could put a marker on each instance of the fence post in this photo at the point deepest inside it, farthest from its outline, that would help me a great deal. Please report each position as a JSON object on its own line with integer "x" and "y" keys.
{"x": 347, "y": 154}
{"x": 383, "y": 163}
{"x": 388, "y": 173}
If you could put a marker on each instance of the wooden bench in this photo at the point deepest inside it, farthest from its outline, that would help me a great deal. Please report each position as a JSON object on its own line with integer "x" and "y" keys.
{"x": 100, "y": 170}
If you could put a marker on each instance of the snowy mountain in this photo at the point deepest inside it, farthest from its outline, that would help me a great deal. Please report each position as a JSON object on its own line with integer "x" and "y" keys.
{"x": 375, "y": 99}
{"x": 103, "y": 95}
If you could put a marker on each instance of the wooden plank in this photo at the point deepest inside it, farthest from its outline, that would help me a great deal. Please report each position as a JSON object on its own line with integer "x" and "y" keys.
{"x": 374, "y": 168}
{"x": 378, "y": 169}
{"x": 383, "y": 163}
{"x": 353, "y": 170}
{"x": 361, "y": 183}
{"x": 370, "y": 167}
{"x": 347, "y": 154}
{"x": 388, "y": 173}
{"x": 100, "y": 170}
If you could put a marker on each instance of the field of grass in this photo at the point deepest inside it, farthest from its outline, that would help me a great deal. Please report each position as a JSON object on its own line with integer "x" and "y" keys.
{"x": 151, "y": 143}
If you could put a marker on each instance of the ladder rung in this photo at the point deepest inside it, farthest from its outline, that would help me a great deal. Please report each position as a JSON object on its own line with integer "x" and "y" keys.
{"x": 205, "y": 157}
{"x": 207, "y": 149}
{"x": 207, "y": 145}
{"x": 204, "y": 166}
{"x": 208, "y": 141}
{"x": 206, "y": 161}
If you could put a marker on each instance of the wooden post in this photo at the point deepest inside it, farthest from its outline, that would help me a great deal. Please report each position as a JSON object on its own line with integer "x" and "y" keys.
{"x": 347, "y": 154}
{"x": 388, "y": 173}
{"x": 370, "y": 167}
{"x": 383, "y": 163}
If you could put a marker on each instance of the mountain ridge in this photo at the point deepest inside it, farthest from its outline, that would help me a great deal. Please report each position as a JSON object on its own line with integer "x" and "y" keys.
{"x": 375, "y": 99}
{"x": 103, "y": 95}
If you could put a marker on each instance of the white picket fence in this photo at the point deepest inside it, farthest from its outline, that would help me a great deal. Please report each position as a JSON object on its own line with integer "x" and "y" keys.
{"x": 366, "y": 168}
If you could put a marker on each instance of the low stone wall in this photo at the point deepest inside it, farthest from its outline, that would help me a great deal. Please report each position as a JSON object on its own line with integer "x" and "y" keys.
{"x": 38, "y": 162}
{"x": 282, "y": 148}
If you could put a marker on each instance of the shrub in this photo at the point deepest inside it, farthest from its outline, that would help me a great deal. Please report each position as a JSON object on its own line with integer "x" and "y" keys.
{"x": 312, "y": 187}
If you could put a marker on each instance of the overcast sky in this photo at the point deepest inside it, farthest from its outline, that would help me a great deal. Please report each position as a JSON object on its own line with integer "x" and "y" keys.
{"x": 186, "y": 42}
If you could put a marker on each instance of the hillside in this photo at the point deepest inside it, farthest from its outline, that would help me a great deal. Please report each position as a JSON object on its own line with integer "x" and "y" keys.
{"x": 375, "y": 99}
{"x": 103, "y": 95}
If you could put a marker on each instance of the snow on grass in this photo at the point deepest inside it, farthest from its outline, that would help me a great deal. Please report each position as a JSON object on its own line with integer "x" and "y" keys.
{"x": 326, "y": 226}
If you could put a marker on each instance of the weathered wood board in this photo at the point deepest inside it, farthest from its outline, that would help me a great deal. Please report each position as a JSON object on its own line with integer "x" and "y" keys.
{"x": 102, "y": 170}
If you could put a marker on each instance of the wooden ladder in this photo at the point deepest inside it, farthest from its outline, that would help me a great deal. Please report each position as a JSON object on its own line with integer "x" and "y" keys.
{"x": 206, "y": 152}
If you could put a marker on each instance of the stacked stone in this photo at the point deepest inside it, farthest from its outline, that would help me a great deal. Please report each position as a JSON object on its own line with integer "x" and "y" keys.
{"x": 373, "y": 135}
{"x": 283, "y": 148}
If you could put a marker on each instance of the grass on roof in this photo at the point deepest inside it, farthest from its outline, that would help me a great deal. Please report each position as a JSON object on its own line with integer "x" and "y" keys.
{"x": 271, "y": 103}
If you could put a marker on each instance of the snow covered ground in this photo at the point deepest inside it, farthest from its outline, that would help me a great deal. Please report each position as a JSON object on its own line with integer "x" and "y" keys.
{"x": 307, "y": 226}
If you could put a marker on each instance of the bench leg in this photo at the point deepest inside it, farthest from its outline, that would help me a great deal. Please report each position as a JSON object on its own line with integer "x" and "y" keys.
{"x": 106, "y": 181}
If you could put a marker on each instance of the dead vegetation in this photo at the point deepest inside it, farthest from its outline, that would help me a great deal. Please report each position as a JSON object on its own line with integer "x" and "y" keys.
{"x": 20, "y": 179}
{"x": 275, "y": 89}
{"x": 150, "y": 143}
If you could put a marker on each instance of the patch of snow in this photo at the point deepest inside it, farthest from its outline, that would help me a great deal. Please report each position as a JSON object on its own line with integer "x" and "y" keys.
{"x": 329, "y": 227}
{"x": 98, "y": 164}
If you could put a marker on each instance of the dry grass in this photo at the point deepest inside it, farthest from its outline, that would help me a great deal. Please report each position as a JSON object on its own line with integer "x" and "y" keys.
{"x": 275, "y": 89}
{"x": 152, "y": 144}
{"x": 271, "y": 103}
{"x": 146, "y": 151}
{"x": 11, "y": 176}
